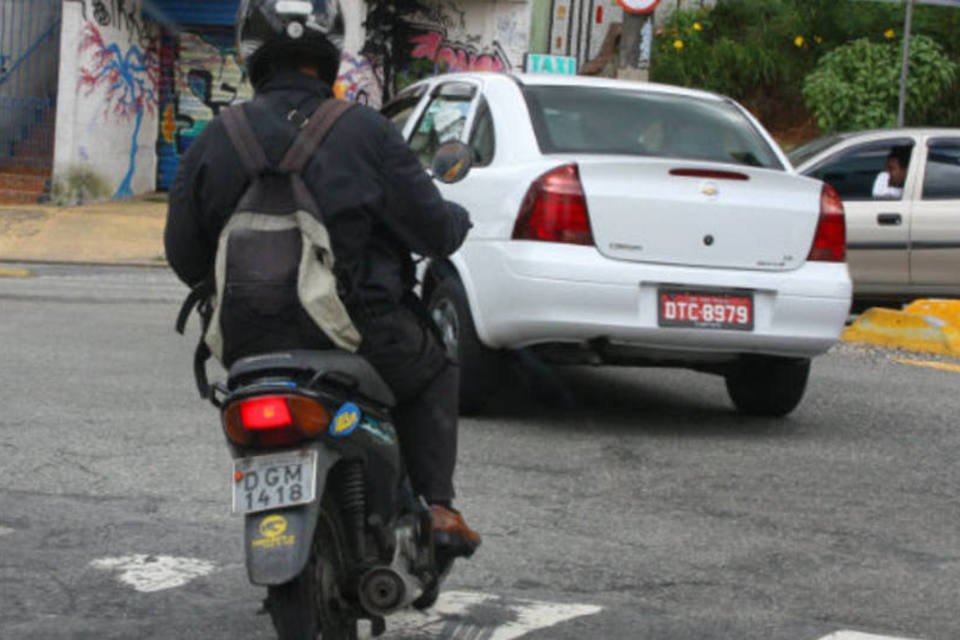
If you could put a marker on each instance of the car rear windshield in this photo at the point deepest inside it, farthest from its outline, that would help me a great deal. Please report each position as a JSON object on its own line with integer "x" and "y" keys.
{"x": 601, "y": 120}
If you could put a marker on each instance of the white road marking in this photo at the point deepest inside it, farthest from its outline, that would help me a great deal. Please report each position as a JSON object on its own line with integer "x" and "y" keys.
{"x": 147, "y": 573}
{"x": 463, "y": 615}
{"x": 5, "y": 531}
{"x": 856, "y": 635}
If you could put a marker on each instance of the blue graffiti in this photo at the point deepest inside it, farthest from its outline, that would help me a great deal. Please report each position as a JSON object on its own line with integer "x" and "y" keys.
{"x": 131, "y": 80}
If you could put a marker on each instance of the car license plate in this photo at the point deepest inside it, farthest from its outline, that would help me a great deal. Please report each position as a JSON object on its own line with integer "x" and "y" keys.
{"x": 274, "y": 481}
{"x": 705, "y": 310}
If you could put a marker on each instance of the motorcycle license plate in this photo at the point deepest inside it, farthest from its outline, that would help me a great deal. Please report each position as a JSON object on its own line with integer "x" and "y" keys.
{"x": 274, "y": 481}
{"x": 705, "y": 310}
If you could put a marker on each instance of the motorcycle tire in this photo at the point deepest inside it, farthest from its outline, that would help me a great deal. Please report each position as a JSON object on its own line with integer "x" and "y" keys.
{"x": 429, "y": 597}
{"x": 311, "y": 605}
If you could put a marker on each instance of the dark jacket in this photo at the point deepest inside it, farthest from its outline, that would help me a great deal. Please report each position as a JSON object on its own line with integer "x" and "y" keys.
{"x": 378, "y": 203}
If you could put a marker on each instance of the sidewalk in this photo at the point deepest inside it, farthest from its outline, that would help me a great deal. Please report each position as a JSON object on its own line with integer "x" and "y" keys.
{"x": 127, "y": 232}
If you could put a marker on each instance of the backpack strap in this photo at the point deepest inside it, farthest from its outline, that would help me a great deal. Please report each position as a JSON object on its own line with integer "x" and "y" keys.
{"x": 199, "y": 298}
{"x": 244, "y": 139}
{"x": 313, "y": 134}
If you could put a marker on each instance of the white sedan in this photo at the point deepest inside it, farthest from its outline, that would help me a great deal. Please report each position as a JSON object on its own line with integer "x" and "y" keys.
{"x": 629, "y": 224}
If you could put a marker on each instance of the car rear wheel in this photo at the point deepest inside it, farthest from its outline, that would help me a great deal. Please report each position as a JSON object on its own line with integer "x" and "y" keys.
{"x": 768, "y": 385}
{"x": 480, "y": 366}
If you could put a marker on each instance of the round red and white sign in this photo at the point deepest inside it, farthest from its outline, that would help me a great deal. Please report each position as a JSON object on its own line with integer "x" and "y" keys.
{"x": 638, "y": 6}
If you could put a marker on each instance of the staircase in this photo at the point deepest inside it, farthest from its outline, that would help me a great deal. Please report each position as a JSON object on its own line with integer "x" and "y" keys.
{"x": 29, "y": 57}
{"x": 25, "y": 172}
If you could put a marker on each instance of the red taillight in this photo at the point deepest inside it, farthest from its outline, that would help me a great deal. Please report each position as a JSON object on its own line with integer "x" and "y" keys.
{"x": 274, "y": 420}
{"x": 830, "y": 240}
{"x": 555, "y": 209}
{"x": 270, "y": 412}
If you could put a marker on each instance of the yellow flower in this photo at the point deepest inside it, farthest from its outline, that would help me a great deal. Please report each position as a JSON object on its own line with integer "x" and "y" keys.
{"x": 889, "y": 34}
{"x": 817, "y": 39}
{"x": 799, "y": 41}
{"x": 678, "y": 44}
{"x": 697, "y": 26}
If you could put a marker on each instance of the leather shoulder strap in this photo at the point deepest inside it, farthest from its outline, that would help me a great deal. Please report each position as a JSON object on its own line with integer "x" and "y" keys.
{"x": 245, "y": 141}
{"x": 313, "y": 134}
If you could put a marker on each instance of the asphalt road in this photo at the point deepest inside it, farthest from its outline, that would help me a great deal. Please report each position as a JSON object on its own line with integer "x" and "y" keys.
{"x": 615, "y": 503}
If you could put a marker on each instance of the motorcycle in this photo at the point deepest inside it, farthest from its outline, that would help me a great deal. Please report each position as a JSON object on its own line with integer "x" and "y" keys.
{"x": 333, "y": 528}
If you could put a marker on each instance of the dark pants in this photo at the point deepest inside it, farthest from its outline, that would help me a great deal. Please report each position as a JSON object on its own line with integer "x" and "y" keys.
{"x": 410, "y": 358}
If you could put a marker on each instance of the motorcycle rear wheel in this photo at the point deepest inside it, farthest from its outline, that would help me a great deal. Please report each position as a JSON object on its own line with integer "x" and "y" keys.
{"x": 311, "y": 605}
{"x": 429, "y": 597}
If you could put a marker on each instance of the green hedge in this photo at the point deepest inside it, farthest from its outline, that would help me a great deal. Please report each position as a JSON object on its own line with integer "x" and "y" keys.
{"x": 760, "y": 52}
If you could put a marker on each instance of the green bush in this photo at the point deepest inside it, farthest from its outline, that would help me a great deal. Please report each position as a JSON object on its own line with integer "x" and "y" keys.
{"x": 856, "y": 86}
{"x": 761, "y": 51}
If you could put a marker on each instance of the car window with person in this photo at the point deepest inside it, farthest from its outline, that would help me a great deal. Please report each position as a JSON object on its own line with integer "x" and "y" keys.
{"x": 864, "y": 171}
{"x": 888, "y": 184}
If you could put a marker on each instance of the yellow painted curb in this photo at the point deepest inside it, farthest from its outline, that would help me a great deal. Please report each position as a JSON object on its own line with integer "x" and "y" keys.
{"x": 14, "y": 272}
{"x": 902, "y": 330}
{"x": 946, "y": 310}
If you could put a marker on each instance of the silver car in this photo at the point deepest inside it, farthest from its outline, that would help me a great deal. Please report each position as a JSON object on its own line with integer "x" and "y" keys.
{"x": 904, "y": 241}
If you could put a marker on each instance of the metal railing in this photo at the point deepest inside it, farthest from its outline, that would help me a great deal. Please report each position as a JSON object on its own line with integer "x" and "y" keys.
{"x": 29, "y": 59}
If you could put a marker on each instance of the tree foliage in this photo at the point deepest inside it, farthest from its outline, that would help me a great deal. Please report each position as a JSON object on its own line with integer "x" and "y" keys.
{"x": 856, "y": 86}
{"x": 761, "y": 51}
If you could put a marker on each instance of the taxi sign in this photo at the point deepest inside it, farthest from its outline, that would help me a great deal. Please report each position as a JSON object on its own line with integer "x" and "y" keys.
{"x": 557, "y": 65}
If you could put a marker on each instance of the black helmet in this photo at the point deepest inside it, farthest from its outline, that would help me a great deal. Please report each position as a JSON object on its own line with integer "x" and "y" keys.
{"x": 296, "y": 32}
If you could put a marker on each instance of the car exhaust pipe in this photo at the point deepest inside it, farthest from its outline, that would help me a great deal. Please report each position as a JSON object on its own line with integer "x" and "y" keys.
{"x": 384, "y": 590}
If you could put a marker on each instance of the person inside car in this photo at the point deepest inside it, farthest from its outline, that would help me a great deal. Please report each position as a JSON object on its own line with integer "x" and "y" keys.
{"x": 889, "y": 183}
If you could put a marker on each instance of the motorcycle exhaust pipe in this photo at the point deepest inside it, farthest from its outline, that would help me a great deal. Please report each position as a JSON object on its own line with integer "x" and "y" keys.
{"x": 384, "y": 590}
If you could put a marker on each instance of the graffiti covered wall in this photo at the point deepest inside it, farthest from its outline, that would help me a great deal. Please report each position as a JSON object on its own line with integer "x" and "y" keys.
{"x": 200, "y": 75}
{"x": 107, "y": 100}
{"x": 469, "y": 35}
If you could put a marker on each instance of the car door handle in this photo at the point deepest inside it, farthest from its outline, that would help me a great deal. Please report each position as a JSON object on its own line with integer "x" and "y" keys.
{"x": 889, "y": 219}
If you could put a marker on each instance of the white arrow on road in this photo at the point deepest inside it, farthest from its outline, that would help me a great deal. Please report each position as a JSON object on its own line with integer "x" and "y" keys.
{"x": 147, "y": 573}
{"x": 467, "y": 615}
{"x": 856, "y": 635}
{"x": 457, "y": 615}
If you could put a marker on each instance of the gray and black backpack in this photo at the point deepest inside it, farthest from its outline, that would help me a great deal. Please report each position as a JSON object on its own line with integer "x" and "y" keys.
{"x": 273, "y": 281}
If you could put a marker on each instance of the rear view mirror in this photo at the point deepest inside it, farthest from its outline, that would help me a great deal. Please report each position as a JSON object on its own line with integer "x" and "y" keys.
{"x": 452, "y": 162}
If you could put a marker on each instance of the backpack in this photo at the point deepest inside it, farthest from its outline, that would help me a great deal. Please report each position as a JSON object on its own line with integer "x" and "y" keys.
{"x": 273, "y": 270}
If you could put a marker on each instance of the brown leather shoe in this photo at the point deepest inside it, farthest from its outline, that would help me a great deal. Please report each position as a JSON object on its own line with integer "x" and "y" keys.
{"x": 451, "y": 530}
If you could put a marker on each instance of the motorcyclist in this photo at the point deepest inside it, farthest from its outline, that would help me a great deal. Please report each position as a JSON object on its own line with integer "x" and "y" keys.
{"x": 378, "y": 205}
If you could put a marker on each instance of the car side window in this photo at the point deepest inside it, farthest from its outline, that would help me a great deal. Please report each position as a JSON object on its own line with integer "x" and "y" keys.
{"x": 854, "y": 173}
{"x": 942, "y": 176}
{"x": 443, "y": 120}
{"x": 482, "y": 140}
{"x": 400, "y": 111}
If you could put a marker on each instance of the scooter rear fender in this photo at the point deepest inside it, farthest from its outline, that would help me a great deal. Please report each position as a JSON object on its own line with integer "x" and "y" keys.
{"x": 278, "y": 542}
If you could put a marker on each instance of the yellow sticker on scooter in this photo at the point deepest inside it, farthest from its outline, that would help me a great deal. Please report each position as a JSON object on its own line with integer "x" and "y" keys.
{"x": 346, "y": 420}
{"x": 273, "y": 526}
{"x": 273, "y": 533}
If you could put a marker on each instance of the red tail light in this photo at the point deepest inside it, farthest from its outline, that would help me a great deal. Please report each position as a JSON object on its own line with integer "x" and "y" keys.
{"x": 265, "y": 413}
{"x": 555, "y": 209}
{"x": 274, "y": 420}
{"x": 830, "y": 240}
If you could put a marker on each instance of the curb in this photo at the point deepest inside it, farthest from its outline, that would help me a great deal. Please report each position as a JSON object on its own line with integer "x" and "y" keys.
{"x": 925, "y": 326}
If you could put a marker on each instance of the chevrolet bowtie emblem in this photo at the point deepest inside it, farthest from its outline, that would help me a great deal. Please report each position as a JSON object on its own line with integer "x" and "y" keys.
{"x": 710, "y": 190}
